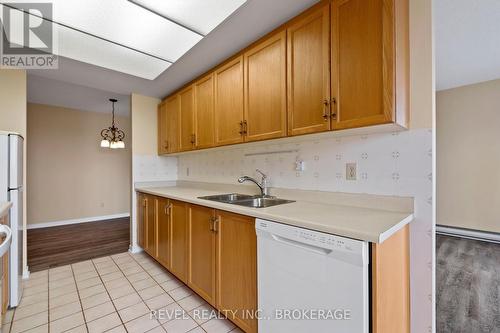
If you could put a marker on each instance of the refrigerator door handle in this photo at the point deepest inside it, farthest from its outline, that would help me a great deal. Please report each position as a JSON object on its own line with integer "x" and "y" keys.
{"x": 5, "y": 245}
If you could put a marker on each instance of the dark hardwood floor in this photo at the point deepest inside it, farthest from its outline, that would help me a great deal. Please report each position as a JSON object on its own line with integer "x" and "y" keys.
{"x": 467, "y": 286}
{"x": 57, "y": 246}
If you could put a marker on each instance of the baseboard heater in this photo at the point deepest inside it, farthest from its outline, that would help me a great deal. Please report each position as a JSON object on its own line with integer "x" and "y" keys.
{"x": 468, "y": 233}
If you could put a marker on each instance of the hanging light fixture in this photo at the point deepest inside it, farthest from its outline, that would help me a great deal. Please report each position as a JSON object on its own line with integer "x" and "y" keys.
{"x": 112, "y": 137}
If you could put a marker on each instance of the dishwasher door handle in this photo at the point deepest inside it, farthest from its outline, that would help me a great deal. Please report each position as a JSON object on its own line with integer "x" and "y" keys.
{"x": 312, "y": 248}
{"x": 4, "y": 247}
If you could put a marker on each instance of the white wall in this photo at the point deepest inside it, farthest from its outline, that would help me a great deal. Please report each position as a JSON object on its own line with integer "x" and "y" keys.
{"x": 468, "y": 138}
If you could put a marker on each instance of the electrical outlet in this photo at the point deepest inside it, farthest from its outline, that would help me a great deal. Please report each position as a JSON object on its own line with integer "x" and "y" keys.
{"x": 350, "y": 171}
{"x": 300, "y": 165}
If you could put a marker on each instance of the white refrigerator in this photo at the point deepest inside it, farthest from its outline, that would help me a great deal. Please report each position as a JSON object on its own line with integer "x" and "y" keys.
{"x": 11, "y": 189}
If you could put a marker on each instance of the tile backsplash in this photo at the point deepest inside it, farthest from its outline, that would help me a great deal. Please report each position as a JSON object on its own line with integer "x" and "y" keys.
{"x": 398, "y": 163}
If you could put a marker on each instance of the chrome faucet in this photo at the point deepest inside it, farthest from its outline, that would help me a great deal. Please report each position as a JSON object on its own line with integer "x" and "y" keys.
{"x": 263, "y": 185}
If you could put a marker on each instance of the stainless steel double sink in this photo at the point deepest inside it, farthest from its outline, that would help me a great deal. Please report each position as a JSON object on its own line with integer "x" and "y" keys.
{"x": 254, "y": 201}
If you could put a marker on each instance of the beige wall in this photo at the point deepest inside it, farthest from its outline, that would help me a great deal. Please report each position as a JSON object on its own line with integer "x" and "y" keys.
{"x": 144, "y": 124}
{"x": 468, "y": 156}
{"x": 69, "y": 175}
{"x": 13, "y": 98}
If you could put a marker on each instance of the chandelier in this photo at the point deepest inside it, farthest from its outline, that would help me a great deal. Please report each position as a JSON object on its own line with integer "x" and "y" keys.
{"x": 112, "y": 137}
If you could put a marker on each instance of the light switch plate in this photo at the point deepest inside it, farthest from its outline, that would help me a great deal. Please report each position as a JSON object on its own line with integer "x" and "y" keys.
{"x": 350, "y": 171}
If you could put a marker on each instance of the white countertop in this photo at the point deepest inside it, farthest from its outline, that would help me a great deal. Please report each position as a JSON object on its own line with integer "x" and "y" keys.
{"x": 4, "y": 208}
{"x": 353, "y": 221}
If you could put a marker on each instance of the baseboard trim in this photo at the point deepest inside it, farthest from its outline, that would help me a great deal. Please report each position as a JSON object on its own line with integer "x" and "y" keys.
{"x": 75, "y": 221}
{"x": 135, "y": 249}
{"x": 26, "y": 273}
{"x": 468, "y": 233}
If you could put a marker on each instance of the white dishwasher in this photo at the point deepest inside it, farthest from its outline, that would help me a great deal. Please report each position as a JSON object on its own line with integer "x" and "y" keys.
{"x": 310, "y": 282}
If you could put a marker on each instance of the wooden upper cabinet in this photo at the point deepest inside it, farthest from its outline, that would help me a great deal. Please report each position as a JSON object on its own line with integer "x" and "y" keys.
{"x": 265, "y": 89}
{"x": 201, "y": 262}
{"x": 150, "y": 225}
{"x": 141, "y": 219}
{"x": 308, "y": 65}
{"x": 204, "y": 112}
{"x": 162, "y": 129}
{"x": 369, "y": 47}
{"x": 163, "y": 232}
{"x": 237, "y": 268}
{"x": 187, "y": 135}
{"x": 172, "y": 113}
{"x": 178, "y": 239}
{"x": 229, "y": 102}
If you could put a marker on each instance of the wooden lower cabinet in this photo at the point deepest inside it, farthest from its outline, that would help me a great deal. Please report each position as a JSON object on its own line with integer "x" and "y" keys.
{"x": 215, "y": 253}
{"x": 163, "y": 232}
{"x": 201, "y": 257}
{"x": 141, "y": 218}
{"x": 237, "y": 269}
{"x": 178, "y": 239}
{"x": 150, "y": 225}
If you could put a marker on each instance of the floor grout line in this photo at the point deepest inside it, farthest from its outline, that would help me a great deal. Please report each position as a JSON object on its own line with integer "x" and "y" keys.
{"x": 110, "y": 299}
{"x": 79, "y": 300}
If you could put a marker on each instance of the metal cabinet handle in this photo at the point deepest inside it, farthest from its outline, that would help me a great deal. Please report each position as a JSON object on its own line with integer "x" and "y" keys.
{"x": 245, "y": 127}
{"x": 326, "y": 113}
{"x": 241, "y": 128}
{"x": 211, "y": 223}
{"x": 333, "y": 113}
{"x": 166, "y": 208}
{"x": 216, "y": 222}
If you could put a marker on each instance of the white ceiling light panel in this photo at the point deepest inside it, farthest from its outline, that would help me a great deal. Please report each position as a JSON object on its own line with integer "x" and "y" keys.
{"x": 200, "y": 15}
{"x": 137, "y": 37}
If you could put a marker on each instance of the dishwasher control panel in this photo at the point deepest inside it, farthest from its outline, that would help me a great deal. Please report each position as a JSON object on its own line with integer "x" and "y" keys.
{"x": 311, "y": 237}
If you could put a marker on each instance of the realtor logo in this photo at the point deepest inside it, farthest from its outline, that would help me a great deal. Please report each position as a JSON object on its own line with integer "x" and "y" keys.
{"x": 27, "y": 36}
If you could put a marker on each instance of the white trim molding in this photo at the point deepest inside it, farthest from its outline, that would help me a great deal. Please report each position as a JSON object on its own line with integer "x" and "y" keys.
{"x": 468, "y": 233}
{"x": 135, "y": 249}
{"x": 75, "y": 221}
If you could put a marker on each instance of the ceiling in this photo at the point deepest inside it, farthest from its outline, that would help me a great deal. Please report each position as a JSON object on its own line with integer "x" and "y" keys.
{"x": 137, "y": 37}
{"x": 68, "y": 95}
{"x": 467, "y": 42}
{"x": 251, "y": 21}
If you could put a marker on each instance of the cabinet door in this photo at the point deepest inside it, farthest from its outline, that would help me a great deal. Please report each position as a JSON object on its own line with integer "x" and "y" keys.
{"x": 237, "y": 268}
{"x": 308, "y": 73}
{"x": 361, "y": 63}
{"x": 187, "y": 139}
{"x": 265, "y": 89}
{"x": 150, "y": 225}
{"x": 204, "y": 111}
{"x": 162, "y": 129}
{"x": 172, "y": 109}
{"x": 201, "y": 271}
{"x": 229, "y": 103}
{"x": 141, "y": 220}
{"x": 163, "y": 231}
{"x": 178, "y": 239}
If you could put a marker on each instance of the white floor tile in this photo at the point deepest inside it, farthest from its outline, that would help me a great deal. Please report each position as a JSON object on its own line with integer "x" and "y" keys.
{"x": 99, "y": 311}
{"x": 105, "y": 323}
{"x": 126, "y": 301}
{"x": 30, "y": 322}
{"x": 66, "y": 323}
{"x": 133, "y": 312}
{"x": 64, "y": 310}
